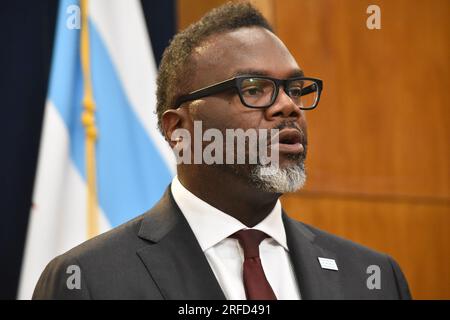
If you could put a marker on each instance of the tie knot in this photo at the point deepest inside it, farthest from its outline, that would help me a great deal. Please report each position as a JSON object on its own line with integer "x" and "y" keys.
{"x": 250, "y": 240}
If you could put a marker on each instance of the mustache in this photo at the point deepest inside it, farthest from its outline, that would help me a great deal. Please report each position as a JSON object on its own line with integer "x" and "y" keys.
{"x": 293, "y": 125}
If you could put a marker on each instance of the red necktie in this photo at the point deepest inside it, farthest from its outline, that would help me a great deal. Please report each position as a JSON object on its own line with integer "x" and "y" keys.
{"x": 255, "y": 282}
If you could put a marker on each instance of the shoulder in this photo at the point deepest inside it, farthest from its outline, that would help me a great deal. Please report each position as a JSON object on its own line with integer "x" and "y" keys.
{"x": 98, "y": 263}
{"x": 109, "y": 264}
{"x": 356, "y": 260}
{"x": 116, "y": 241}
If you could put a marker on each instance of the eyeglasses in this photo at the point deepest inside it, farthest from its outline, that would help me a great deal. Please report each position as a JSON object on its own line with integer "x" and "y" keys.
{"x": 262, "y": 92}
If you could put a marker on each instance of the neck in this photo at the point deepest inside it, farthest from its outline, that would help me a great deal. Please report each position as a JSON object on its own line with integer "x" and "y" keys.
{"x": 228, "y": 193}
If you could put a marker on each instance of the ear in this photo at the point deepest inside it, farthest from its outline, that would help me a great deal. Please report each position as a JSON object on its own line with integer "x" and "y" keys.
{"x": 171, "y": 120}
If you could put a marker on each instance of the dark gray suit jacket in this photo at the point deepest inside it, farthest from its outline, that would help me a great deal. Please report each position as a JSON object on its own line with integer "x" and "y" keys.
{"x": 156, "y": 256}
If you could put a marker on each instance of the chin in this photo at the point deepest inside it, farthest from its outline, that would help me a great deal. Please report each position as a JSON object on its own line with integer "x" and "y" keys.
{"x": 289, "y": 177}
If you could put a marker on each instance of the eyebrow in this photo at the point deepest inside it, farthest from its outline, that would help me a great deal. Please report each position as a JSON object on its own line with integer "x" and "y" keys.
{"x": 256, "y": 72}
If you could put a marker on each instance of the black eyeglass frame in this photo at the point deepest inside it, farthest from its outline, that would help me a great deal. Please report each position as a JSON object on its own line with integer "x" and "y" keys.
{"x": 235, "y": 83}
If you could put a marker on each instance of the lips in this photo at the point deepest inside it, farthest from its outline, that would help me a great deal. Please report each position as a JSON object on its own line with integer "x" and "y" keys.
{"x": 290, "y": 140}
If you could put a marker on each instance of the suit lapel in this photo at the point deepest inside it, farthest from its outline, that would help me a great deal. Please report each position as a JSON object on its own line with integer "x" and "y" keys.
{"x": 173, "y": 257}
{"x": 179, "y": 267}
{"x": 314, "y": 281}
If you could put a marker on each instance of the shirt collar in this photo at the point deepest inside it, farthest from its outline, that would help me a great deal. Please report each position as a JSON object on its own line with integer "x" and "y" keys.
{"x": 211, "y": 226}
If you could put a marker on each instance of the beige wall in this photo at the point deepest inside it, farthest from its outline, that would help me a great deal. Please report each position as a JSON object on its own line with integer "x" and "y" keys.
{"x": 378, "y": 161}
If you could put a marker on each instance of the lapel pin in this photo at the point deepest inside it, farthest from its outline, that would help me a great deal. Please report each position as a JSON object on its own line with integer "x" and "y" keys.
{"x": 329, "y": 264}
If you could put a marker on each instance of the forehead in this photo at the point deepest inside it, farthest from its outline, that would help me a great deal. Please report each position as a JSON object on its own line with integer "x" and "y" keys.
{"x": 223, "y": 55}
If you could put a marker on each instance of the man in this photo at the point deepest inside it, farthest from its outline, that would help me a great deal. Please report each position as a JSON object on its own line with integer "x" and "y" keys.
{"x": 219, "y": 231}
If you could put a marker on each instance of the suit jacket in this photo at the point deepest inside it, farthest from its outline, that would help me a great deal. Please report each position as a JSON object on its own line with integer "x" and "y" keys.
{"x": 156, "y": 256}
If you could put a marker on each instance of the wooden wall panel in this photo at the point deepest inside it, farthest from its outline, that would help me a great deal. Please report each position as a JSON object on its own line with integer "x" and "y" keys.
{"x": 383, "y": 124}
{"x": 189, "y": 11}
{"x": 416, "y": 234}
{"x": 378, "y": 163}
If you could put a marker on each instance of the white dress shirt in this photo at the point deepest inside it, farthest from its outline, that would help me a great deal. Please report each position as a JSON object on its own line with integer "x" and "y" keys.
{"x": 212, "y": 228}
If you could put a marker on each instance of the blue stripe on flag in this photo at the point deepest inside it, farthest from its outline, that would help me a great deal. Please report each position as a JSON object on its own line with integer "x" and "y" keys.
{"x": 132, "y": 175}
{"x": 66, "y": 86}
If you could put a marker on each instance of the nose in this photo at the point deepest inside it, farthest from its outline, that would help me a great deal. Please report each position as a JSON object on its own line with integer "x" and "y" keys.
{"x": 283, "y": 107}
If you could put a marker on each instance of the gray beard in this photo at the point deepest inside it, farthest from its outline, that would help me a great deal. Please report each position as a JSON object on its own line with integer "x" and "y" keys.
{"x": 284, "y": 180}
